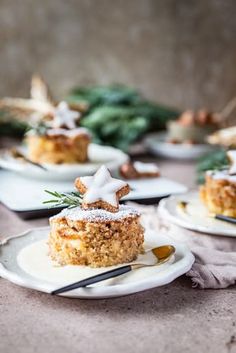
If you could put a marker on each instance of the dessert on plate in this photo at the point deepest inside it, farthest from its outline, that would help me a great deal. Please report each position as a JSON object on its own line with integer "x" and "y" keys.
{"x": 55, "y": 137}
{"x": 58, "y": 139}
{"x": 219, "y": 191}
{"x": 192, "y": 127}
{"x": 139, "y": 170}
{"x": 224, "y": 137}
{"x": 99, "y": 231}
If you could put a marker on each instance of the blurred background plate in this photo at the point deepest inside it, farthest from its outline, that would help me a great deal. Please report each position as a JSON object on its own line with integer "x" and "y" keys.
{"x": 156, "y": 143}
{"x": 196, "y": 218}
{"x": 112, "y": 157}
{"x": 25, "y": 196}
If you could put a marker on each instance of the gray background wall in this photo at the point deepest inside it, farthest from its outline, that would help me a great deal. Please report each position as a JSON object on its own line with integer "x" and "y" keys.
{"x": 182, "y": 53}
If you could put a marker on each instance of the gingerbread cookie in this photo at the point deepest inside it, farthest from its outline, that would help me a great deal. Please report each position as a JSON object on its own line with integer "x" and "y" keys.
{"x": 127, "y": 171}
{"x": 101, "y": 190}
{"x": 138, "y": 170}
{"x": 64, "y": 117}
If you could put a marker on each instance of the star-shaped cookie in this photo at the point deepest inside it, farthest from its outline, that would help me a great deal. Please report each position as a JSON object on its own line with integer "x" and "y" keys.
{"x": 232, "y": 159}
{"x": 65, "y": 117}
{"x": 101, "y": 190}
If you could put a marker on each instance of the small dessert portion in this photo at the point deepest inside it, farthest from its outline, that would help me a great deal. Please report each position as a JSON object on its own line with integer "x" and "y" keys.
{"x": 192, "y": 127}
{"x": 138, "y": 170}
{"x": 224, "y": 137}
{"x": 219, "y": 191}
{"x": 59, "y": 140}
{"x": 99, "y": 232}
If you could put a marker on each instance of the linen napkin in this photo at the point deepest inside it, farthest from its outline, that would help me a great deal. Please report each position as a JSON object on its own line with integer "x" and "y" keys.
{"x": 215, "y": 256}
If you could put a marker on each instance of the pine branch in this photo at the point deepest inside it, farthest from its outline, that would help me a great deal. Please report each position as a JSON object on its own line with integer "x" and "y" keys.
{"x": 214, "y": 161}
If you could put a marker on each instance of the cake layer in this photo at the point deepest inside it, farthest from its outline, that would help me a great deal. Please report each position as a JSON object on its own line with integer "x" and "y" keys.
{"x": 69, "y": 133}
{"x": 95, "y": 238}
{"x": 219, "y": 193}
{"x": 221, "y": 175}
{"x": 181, "y": 133}
{"x": 58, "y": 149}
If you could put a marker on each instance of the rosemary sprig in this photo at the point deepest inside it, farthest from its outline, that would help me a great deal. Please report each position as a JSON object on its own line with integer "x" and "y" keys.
{"x": 68, "y": 199}
{"x": 40, "y": 128}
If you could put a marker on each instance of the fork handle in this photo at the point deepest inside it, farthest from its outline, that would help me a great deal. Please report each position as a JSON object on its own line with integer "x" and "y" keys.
{"x": 226, "y": 218}
{"x": 94, "y": 279}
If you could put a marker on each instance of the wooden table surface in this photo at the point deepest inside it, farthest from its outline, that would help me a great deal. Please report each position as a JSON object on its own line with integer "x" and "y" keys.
{"x": 173, "y": 319}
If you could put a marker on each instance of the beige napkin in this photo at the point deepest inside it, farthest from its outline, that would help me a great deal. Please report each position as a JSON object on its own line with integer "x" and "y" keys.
{"x": 215, "y": 256}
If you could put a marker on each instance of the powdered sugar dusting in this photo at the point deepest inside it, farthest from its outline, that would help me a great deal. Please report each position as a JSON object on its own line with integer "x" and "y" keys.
{"x": 70, "y": 133}
{"x": 97, "y": 215}
{"x": 146, "y": 167}
{"x": 221, "y": 175}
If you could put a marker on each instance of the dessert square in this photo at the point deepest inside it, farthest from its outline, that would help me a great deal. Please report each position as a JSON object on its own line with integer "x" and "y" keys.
{"x": 59, "y": 146}
{"x": 219, "y": 193}
{"x": 97, "y": 231}
{"x": 96, "y": 237}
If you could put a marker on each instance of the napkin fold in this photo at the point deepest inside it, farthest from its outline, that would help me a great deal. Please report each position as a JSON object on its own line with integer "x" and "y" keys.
{"x": 215, "y": 256}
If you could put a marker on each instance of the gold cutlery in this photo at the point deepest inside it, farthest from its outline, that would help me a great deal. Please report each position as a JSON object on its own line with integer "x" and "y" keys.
{"x": 161, "y": 255}
{"x": 183, "y": 205}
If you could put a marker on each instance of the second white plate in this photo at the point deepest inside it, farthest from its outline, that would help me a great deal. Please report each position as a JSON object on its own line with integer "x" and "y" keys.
{"x": 157, "y": 144}
{"x": 22, "y": 194}
{"x": 196, "y": 217}
{"x": 112, "y": 157}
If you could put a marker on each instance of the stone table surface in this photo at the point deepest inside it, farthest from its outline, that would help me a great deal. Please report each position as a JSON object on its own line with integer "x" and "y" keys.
{"x": 174, "y": 318}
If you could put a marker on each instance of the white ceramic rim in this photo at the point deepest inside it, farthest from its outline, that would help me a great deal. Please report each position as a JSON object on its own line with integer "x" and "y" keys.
{"x": 154, "y": 141}
{"x": 177, "y": 220}
{"x": 66, "y": 171}
{"x": 177, "y": 269}
{"x": 150, "y": 138}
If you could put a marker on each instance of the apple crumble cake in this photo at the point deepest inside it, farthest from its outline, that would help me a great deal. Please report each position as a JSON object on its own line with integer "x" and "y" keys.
{"x": 219, "y": 191}
{"x": 95, "y": 237}
{"x": 192, "y": 127}
{"x": 59, "y": 146}
{"x": 59, "y": 140}
{"x": 99, "y": 232}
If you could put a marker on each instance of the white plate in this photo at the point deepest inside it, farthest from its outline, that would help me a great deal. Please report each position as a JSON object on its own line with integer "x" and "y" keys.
{"x": 23, "y": 194}
{"x": 196, "y": 217}
{"x": 156, "y": 143}
{"x": 40, "y": 274}
{"x": 112, "y": 157}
